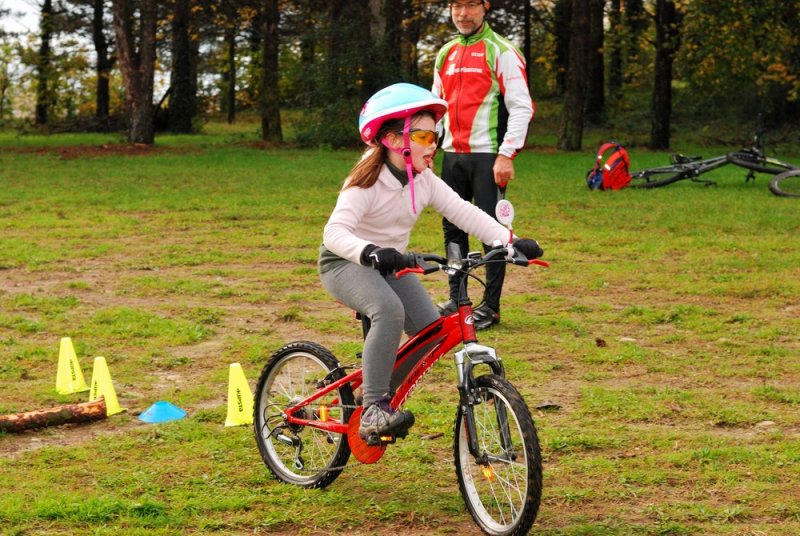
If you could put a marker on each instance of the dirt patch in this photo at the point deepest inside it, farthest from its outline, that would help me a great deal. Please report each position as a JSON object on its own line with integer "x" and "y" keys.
{"x": 110, "y": 149}
{"x": 72, "y": 152}
{"x": 101, "y": 287}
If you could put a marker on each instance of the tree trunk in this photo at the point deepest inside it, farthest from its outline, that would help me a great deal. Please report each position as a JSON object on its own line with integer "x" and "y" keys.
{"x": 270, "y": 95}
{"x": 570, "y": 137}
{"x": 527, "y": 13}
{"x": 137, "y": 60}
{"x": 387, "y": 33}
{"x": 43, "y": 97}
{"x": 562, "y": 14}
{"x": 182, "y": 102}
{"x": 615, "y": 59}
{"x": 308, "y": 50}
{"x": 595, "y": 102}
{"x": 635, "y": 21}
{"x": 666, "y": 45}
{"x": 70, "y": 413}
{"x": 230, "y": 72}
{"x": 411, "y": 40}
{"x": 103, "y": 63}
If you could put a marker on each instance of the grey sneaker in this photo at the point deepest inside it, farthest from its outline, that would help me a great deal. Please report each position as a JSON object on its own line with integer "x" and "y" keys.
{"x": 379, "y": 418}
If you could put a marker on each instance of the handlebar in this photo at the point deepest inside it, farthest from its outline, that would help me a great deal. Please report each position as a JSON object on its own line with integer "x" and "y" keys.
{"x": 427, "y": 263}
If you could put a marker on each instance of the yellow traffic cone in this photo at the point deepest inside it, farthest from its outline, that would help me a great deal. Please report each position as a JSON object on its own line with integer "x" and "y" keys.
{"x": 240, "y": 398}
{"x": 69, "y": 378}
{"x": 102, "y": 386}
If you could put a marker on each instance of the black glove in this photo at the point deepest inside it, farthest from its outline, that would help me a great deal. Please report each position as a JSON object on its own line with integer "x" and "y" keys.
{"x": 528, "y": 247}
{"x": 387, "y": 260}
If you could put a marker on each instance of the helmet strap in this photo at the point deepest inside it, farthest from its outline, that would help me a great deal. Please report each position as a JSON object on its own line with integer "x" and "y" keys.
{"x": 405, "y": 152}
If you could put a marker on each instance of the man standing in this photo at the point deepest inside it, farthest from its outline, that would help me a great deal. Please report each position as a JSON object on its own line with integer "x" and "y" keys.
{"x": 482, "y": 77}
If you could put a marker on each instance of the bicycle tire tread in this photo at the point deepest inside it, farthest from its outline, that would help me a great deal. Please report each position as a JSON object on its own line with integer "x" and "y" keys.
{"x": 339, "y": 459}
{"x": 778, "y": 184}
{"x": 530, "y": 437}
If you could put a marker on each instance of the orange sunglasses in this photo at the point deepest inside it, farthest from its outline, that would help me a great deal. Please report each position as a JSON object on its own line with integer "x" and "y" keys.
{"x": 423, "y": 137}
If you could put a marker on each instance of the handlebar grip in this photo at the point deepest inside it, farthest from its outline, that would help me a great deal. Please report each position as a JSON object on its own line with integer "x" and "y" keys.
{"x": 409, "y": 265}
{"x": 409, "y": 260}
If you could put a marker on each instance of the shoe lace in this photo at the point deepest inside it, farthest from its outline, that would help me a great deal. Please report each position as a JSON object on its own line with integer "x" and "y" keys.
{"x": 383, "y": 403}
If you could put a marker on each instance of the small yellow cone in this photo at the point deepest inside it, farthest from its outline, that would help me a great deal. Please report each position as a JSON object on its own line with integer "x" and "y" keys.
{"x": 69, "y": 378}
{"x": 102, "y": 386}
{"x": 240, "y": 398}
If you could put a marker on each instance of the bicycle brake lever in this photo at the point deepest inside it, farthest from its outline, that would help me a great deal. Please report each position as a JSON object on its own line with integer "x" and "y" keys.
{"x": 422, "y": 267}
{"x": 405, "y": 271}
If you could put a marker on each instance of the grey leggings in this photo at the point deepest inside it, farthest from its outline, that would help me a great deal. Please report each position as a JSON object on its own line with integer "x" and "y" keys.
{"x": 392, "y": 305}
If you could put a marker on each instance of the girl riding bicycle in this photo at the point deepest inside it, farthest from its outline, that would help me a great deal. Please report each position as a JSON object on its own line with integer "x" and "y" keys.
{"x": 369, "y": 229}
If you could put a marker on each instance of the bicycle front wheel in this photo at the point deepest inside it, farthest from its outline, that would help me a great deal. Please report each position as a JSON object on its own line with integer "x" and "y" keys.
{"x": 760, "y": 164}
{"x": 502, "y": 487}
{"x": 657, "y": 177}
{"x": 301, "y": 455}
{"x": 786, "y": 184}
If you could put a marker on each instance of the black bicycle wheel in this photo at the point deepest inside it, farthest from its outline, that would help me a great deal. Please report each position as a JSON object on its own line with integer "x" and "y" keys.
{"x": 786, "y": 184}
{"x": 657, "y": 177}
{"x": 503, "y": 487}
{"x": 760, "y": 164}
{"x": 299, "y": 455}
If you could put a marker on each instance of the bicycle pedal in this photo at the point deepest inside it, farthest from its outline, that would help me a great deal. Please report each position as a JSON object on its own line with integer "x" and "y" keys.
{"x": 375, "y": 440}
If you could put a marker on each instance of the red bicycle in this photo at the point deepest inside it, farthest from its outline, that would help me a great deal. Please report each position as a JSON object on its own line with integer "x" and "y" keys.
{"x": 306, "y": 417}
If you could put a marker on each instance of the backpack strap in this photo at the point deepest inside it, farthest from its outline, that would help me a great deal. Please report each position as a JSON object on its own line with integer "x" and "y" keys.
{"x": 603, "y": 148}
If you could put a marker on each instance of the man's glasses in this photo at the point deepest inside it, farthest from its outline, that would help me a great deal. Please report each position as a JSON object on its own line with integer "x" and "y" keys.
{"x": 423, "y": 137}
{"x": 465, "y": 5}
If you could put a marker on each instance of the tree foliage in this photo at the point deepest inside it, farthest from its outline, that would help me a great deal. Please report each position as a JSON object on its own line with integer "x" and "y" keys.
{"x": 323, "y": 58}
{"x": 742, "y": 52}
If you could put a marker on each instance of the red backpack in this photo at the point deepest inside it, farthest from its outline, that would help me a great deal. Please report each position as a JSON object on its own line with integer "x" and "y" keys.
{"x": 615, "y": 173}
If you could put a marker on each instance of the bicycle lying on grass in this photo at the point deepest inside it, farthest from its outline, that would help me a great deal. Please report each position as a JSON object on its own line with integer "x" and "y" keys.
{"x": 306, "y": 417}
{"x": 752, "y": 158}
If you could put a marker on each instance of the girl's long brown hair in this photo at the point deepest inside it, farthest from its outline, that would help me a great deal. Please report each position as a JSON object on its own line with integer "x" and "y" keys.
{"x": 365, "y": 173}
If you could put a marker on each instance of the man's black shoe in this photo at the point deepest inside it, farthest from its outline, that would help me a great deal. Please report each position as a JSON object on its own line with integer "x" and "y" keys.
{"x": 485, "y": 317}
{"x": 448, "y": 307}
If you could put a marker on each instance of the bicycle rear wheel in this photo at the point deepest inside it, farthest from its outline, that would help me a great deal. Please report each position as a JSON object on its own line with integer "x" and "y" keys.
{"x": 503, "y": 487}
{"x": 786, "y": 184}
{"x": 760, "y": 164}
{"x": 301, "y": 455}
{"x": 657, "y": 177}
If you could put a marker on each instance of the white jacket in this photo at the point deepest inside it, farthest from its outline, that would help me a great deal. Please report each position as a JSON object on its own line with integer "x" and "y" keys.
{"x": 382, "y": 215}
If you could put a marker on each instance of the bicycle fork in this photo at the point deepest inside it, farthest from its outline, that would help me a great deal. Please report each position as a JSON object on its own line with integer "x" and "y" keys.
{"x": 466, "y": 359}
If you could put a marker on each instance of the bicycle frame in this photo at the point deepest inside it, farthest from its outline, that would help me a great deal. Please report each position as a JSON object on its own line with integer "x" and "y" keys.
{"x": 415, "y": 358}
{"x": 690, "y": 170}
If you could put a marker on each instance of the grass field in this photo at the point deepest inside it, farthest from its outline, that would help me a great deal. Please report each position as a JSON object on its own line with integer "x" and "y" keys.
{"x": 666, "y": 332}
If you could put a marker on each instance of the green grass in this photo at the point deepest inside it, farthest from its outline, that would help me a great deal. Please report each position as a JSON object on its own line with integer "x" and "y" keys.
{"x": 664, "y": 338}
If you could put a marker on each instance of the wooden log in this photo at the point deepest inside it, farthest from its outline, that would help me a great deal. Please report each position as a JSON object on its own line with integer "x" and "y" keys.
{"x": 70, "y": 413}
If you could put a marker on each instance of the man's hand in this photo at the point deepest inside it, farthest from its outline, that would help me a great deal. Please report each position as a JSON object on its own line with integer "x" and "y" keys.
{"x": 503, "y": 170}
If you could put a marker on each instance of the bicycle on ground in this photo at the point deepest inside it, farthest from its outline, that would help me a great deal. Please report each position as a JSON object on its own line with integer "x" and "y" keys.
{"x": 306, "y": 417}
{"x": 753, "y": 158}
